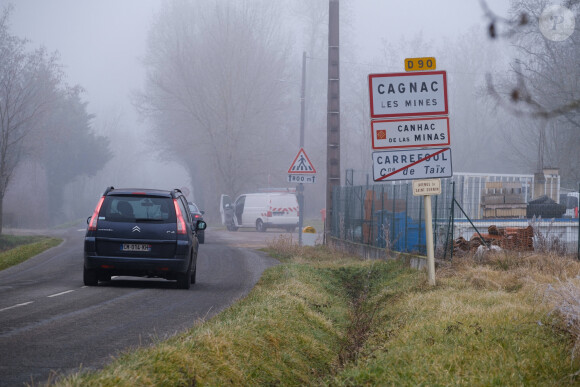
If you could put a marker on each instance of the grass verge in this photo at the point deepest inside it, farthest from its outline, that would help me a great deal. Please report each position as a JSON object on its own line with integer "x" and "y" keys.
{"x": 16, "y": 249}
{"x": 325, "y": 319}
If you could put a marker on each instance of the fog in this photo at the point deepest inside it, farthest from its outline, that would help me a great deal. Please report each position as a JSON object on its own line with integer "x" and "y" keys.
{"x": 104, "y": 47}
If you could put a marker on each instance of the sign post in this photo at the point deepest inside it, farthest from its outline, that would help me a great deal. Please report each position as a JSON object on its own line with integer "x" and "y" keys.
{"x": 397, "y": 102}
{"x": 426, "y": 188}
{"x": 429, "y": 237}
{"x": 301, "y": 171}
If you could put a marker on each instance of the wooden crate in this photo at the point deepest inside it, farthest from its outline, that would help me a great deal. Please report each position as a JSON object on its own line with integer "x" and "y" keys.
{"x": 514, "y": 199}
{"x": 492, "y": 199}
{"x": 511, "y": 212}
{"x": 489, "y": 213}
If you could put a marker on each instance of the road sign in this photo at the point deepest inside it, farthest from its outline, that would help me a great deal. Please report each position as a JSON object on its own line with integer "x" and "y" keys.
{"x": 426, "y": 187}
{"x": 420, "y": 64}
{"x": 408, "y": 94}
{"x": 411, "y": 164}
{"x": 305, "y": 179}
{"x": 409, "y": 133}
{"x": 301, "y": 164}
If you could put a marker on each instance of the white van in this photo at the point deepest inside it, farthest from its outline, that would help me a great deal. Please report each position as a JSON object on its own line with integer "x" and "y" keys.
{"x": 260, "y": 210}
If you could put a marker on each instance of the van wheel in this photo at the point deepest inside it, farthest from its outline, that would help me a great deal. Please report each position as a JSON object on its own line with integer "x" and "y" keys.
{"x": 260, "y": 225}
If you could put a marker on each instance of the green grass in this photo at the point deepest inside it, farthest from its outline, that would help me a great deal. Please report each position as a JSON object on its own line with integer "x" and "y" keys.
{"x": 325, "y": 319}
{"x": 17, "y": 249}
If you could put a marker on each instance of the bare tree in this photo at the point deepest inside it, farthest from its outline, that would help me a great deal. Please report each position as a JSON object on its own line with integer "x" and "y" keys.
{"x": 68, "y": 122}
{"x": 213, "y": 90}
{"x": 28, "y": 81}
{"x": 543, "y": 89}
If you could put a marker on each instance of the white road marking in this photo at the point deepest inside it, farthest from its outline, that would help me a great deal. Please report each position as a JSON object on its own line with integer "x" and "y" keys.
{"x": 16, "y": 306}
{"x": 60, "y": 294}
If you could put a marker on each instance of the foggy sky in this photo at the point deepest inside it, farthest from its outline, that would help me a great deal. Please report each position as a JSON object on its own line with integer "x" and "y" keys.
{"x": 101, "y": 41}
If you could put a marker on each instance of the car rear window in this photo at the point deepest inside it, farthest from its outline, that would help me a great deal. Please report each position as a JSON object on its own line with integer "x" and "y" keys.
{"x": 137, "y": 208}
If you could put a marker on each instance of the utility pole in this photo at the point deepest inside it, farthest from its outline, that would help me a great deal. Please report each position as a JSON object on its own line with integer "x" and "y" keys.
{"x": 333, "y": 114}
{"x": 300, "y": 188}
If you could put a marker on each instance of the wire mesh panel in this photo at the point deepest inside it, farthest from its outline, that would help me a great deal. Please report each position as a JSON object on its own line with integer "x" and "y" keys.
{"x": 472, "y": 210}
{"x": 387, "y": 216}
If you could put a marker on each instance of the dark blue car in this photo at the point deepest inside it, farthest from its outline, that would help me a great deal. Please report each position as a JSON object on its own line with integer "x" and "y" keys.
{"x": 143, "y": 233}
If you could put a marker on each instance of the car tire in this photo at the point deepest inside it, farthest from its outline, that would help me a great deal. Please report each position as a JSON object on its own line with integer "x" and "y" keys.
{"x": 90, "y": 277}
{"x": 193, "y": 273}
{"x": 201, "y": 237}
{"x": 184, "y": 279}
{"x": 260, "y": 226}
{"x": 104, "y": 277}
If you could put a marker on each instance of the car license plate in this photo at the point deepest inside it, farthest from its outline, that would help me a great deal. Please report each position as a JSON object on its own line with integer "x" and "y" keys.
{"x": 135, "y": 247}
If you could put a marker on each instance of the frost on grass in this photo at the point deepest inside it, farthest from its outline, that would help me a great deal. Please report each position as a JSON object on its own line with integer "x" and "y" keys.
{"x": 565, "y": 296}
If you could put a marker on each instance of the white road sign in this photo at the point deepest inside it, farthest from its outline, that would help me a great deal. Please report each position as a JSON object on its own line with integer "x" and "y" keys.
{"x": 301, "y": 170}
{"x": 408, "y": 94}
{"x": 426, "y": 187}
{"x": 301, "y": 164}
{"x": 411, "y": 164}
{"x": 408, "y": 133}
{"x": 305, "y": 179}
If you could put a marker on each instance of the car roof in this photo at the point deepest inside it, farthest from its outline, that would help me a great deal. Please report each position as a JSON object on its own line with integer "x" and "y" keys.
{"x": 142, "y": 191}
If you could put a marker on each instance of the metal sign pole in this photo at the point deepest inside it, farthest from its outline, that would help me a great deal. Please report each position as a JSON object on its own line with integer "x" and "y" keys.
{"x": 300, "y": 187}
{"x": 300, "y": 194}
{"x": 429, "y": 232}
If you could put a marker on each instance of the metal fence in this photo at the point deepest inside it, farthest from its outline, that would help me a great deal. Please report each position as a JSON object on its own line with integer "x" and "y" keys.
{"x": 472, "y": 209}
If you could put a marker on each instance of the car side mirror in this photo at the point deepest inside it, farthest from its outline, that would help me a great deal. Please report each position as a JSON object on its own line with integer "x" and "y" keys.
{"x": 89, "y": 219}
{"x": 201, "y": 225}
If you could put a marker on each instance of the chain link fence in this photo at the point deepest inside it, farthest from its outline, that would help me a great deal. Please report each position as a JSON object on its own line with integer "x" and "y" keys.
{"x": 513, "y": 212}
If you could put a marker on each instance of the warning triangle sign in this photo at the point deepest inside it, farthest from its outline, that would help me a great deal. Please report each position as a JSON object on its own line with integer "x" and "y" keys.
{"x": 301, "y": 164}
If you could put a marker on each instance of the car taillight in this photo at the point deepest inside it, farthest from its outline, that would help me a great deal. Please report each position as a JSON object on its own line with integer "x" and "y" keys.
{"x": 181, "y": 228}
{"x": 94, "y": 218}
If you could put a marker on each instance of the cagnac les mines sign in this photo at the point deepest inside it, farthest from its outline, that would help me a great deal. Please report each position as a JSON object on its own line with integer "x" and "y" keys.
{"x": 408, "y": 94}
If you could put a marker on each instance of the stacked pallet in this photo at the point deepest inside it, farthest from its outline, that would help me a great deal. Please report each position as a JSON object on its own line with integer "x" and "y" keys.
{"x": 503, "y": 200}
{"x": 508, "y": 238}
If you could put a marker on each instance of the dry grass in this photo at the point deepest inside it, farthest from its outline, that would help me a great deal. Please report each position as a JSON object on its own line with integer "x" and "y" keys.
{"x": 323, "y": 318}
{"x": 286, "y": 249}
{"x": 502, "y": 319}
{"x": 504, "y": 270}
{"x": 565, "y": 298}
{"x": 17, "y": 249}
{"x": 535, "y": 296}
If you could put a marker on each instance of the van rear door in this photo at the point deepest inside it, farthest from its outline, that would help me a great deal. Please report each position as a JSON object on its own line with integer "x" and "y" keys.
{"x": 284, "y": 209}
{"x": 226, "y": 209}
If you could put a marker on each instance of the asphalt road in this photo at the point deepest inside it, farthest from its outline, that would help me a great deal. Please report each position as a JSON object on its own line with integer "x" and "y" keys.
{"x": 50, "y": 323}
